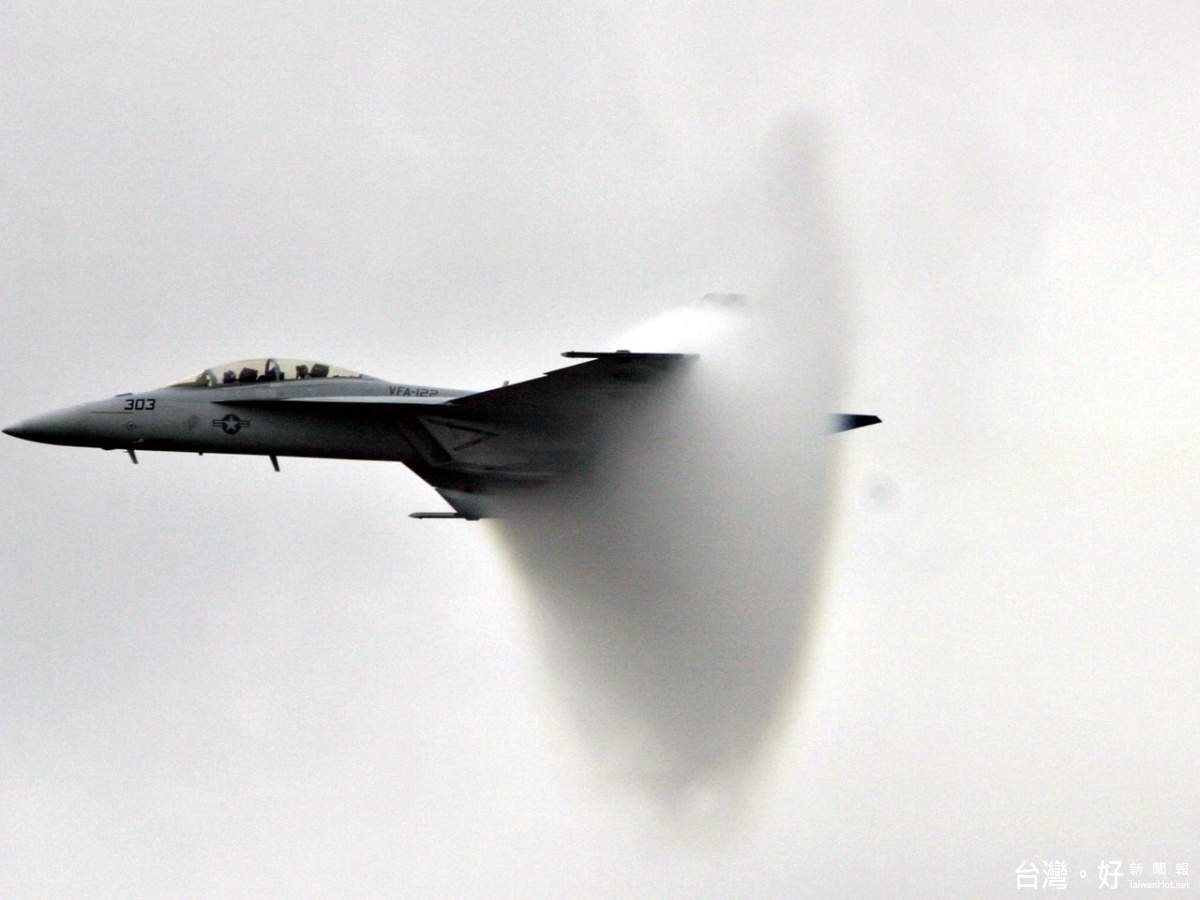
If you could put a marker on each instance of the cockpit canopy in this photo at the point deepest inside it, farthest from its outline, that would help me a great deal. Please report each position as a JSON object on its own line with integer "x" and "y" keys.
{"x": 254, "y": 371}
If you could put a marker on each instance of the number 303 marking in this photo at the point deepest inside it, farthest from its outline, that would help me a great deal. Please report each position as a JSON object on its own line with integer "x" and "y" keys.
{"x": 141, "y": 403}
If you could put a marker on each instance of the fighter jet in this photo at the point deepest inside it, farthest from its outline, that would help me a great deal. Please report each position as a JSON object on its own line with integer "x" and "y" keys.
{"x": 479, "y": 450}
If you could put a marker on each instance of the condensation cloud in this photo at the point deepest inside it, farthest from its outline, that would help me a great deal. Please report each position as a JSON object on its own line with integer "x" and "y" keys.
{"x": 674, "y": 590}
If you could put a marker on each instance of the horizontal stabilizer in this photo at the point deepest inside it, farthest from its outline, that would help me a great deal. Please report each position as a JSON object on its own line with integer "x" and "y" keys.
{"x": 850, "y": 421}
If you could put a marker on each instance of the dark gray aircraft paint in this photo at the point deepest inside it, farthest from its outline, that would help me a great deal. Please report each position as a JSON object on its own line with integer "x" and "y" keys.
{"x": 480, "y": 451}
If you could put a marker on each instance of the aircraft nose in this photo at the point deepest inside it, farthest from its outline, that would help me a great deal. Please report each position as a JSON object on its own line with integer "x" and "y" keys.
{"x": 20, "y": 430}
{"x": 61, "y": 427}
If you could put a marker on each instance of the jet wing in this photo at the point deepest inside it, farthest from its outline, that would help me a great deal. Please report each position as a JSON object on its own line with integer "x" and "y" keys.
{"x": 584, "y": 391}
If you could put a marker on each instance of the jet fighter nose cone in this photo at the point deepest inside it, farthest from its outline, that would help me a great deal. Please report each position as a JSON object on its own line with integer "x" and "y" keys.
{"x": 64, "y": 426}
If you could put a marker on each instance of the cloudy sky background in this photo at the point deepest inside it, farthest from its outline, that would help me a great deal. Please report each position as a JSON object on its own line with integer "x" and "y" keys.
{"x": 219, "y": 681}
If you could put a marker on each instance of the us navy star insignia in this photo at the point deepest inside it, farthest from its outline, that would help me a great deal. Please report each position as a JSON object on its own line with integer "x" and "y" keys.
{"x": 231, "y": 424}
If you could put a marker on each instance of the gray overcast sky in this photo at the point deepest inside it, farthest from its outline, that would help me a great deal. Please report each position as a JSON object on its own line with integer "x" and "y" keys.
{"x": 218, "y": 681}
